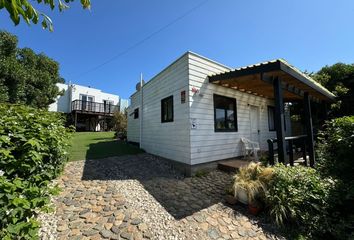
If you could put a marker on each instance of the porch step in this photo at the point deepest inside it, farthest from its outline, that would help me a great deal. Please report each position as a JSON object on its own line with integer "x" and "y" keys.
{"x": 232, "y": 165}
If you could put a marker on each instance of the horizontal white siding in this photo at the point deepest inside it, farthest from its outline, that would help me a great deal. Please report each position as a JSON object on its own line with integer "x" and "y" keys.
{"x": 206, "y": 144}
{"x": 171, "y": 139}
{"x": 97, "y": 94}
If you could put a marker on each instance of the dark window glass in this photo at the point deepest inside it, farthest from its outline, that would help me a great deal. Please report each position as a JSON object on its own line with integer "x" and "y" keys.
{"x": 225, "y": 114}
{"x": 271, "y": 119}
{"x": 136, "y": 113}
{"x": 167, "y": 109}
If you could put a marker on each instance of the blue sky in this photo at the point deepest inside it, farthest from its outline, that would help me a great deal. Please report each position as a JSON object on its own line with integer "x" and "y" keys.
{"x": 309, "y": 34}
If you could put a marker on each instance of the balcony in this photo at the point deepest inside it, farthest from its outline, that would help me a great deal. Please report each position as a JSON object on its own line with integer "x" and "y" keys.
{"x": 93, "y": 107}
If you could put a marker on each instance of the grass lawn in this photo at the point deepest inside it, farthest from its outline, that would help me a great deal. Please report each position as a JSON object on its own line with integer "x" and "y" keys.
{"x": 90, "y": 145}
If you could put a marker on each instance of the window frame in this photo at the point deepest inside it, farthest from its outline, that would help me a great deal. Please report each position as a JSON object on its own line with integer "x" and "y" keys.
{"x": 235, "y": 114}
{"x": 166, "y": 99}
{"x": 136, "y": 113}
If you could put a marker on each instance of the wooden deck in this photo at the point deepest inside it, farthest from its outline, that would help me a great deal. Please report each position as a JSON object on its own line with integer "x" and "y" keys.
{"x": 233, "y": 165}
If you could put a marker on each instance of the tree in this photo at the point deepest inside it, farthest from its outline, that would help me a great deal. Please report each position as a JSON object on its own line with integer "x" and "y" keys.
{"x": 26, "y": 77}
{"x": 25, "y": 9}
{"x": 120, "y": 123}
{"x": 339, "y": 79}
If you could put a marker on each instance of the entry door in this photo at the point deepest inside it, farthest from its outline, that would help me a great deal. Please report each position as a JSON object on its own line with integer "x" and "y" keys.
{"x": 90, "y": 103}
{"x": 84, "y": 102}
{"x": 254, "y": 122}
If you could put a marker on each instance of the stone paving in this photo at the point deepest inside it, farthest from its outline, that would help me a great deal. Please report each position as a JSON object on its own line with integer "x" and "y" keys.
{"x": 142, "y": 197}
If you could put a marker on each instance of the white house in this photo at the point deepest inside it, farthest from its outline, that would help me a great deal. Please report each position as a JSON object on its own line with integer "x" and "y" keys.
{"x": 89, "y": 107}
{"x": 182, "y": 114}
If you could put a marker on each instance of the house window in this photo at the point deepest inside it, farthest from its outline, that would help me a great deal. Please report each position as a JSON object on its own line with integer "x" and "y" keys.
{"x": 167, "y": 109}
{"x": 136, "y": 113}
{"x": 271, "y": 119}
{"x": 225, "y": 114}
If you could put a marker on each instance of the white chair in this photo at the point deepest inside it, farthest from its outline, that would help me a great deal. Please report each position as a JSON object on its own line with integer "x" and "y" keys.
{"x": 250, "y": 147}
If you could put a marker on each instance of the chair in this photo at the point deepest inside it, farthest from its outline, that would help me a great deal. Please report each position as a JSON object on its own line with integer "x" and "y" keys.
{"x": 250, "y": 147}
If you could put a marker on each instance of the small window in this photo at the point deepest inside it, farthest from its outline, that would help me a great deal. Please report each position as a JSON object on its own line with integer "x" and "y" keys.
{"x": 136, "y": 113}
{"x": 225, "y": 115}
{"x": 271, "y": 119}
{"x": 167, "y": 109}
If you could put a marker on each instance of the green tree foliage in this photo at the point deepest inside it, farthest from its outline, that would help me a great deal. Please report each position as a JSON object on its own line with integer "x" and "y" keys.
{"x": 120, "y": 123}
{"x": 26, "y": 10}
{"x": 339, "y": 79}
{"x": 26, "y": 77}
{"x": 33, "y": 150}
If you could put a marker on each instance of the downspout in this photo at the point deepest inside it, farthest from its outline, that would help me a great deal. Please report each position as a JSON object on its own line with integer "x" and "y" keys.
{"x": 70, "y": 92}
{"x": 141, "y": 111}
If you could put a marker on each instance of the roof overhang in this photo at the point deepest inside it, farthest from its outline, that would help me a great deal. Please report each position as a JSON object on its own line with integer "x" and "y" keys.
{"x": 257, "y": 79}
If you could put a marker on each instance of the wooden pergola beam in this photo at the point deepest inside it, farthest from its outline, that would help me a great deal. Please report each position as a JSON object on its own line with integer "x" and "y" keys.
{"x": 309, "y": 128}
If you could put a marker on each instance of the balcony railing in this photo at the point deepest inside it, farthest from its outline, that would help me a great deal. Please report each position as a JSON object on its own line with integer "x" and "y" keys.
{"x": 93, "y": 107}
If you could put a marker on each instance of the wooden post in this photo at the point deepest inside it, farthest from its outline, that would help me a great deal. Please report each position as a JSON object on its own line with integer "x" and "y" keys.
{"x": 309, "y": 128}
{"x": 291, "y": 153}
{"x": 279, "y": 118}
{"x": 75, "y": 116}
{"x": 270, "y": 151}
{"x": 303, "y": 149}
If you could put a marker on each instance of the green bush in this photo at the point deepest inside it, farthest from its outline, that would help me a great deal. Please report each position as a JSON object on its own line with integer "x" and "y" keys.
{"x": 335, "y": 149}
{"x": 33, "y": 147}
{"x": 298, "y": 196}
{"x": 335, "y": 159}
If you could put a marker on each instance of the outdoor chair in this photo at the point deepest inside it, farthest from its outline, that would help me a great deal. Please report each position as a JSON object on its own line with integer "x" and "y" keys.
{"x": 250, "y": 148}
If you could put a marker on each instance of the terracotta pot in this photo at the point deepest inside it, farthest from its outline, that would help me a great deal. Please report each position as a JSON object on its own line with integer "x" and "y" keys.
{"x": 242, "y": 196}
{"x": 254, "y": 210}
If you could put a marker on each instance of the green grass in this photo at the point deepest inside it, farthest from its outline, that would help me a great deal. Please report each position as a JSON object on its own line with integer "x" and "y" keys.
{"x": 93, "y": 145}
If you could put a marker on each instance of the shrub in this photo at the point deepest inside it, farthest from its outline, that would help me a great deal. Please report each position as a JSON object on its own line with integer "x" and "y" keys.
{"x": 335, "y": 159}
{"x": 33, "y": 143}
{"x": 336, "y": 147}
{"x": 299, "y": 196}
{"x": 32, "y": 152}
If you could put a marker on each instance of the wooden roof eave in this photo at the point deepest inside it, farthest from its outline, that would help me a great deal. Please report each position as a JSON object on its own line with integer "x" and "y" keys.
{"x": 276, "y": 66}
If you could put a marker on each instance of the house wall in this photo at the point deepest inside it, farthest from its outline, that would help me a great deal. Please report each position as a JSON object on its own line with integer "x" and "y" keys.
{"x": 170, "y": 139}
{"x": 124, "y": 104}
{"x": 98, "y": 95}
{"x": 62, "y": 103}
{"x": 180, "y": 141}
{"x": 133, "y": 127}
{"x": 206, "y": 144}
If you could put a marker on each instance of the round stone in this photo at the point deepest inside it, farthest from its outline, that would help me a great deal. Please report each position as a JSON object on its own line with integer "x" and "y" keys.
{"x": 213, "y": 233}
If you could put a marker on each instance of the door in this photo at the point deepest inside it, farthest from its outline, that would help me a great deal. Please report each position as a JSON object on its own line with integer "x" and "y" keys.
{"x": 83, "y": 102}
{"x": 90, "y": 103}
{"x": 254, "y": 123}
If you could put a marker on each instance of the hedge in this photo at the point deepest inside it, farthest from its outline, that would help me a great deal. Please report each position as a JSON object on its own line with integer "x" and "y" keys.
{"x": 33, "y": 151}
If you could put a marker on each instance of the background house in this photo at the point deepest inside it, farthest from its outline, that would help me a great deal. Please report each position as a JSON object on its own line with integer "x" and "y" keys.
{"x": 181, "y": 116}
{"x": 89, "y": 109}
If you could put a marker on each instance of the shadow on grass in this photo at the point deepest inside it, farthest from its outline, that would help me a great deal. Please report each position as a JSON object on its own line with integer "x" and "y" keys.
{"x": 111, "y": 148}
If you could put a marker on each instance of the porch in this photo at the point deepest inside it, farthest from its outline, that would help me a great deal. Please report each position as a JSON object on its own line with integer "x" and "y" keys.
{"x": 92, "y": 116}
{"x": 279, "y": 81}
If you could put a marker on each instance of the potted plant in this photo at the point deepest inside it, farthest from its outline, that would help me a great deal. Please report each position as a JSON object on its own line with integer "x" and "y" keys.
{"x": 251, "y": 182}
{"x": 255, "y": 207}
